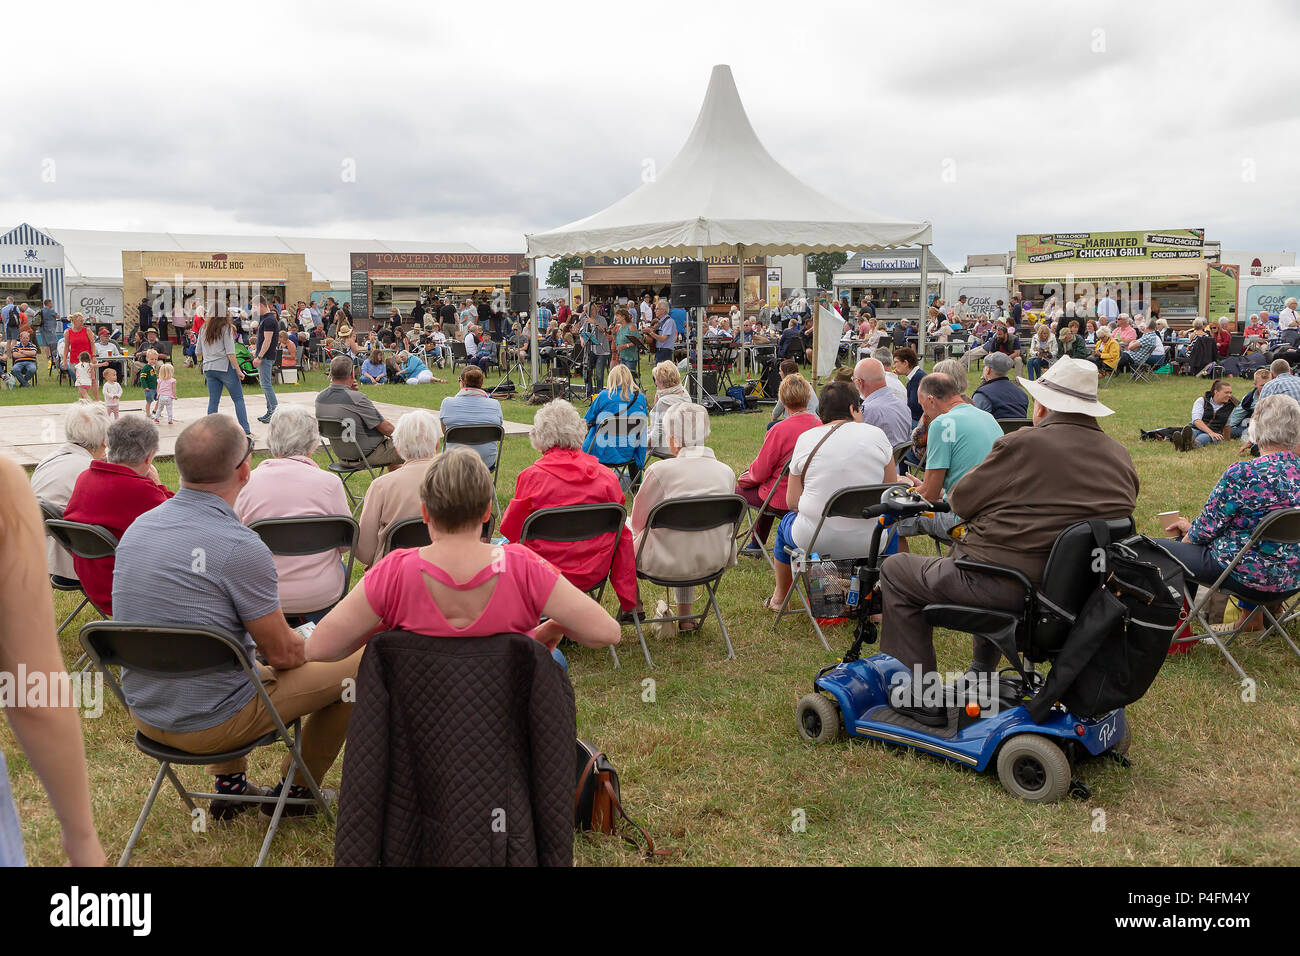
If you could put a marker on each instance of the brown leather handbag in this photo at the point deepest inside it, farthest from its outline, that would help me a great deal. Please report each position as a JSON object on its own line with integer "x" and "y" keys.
{"x": 597, "y": 802}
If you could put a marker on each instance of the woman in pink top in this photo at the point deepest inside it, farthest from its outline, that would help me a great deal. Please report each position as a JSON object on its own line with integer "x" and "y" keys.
{"x": 459, "y": 586}
{"x": 755, "y": 485}
{"x": 291, "y": 485}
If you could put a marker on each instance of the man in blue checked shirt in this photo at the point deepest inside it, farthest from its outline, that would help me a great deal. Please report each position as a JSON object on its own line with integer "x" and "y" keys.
{"x": 1143, "y": 349}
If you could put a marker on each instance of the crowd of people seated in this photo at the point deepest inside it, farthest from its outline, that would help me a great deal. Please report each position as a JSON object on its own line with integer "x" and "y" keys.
{"x": 1004, "y": 491}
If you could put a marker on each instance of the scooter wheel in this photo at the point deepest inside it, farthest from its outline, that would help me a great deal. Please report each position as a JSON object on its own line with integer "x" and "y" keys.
{"x": 1125, "y": 741}
{"x": 819, "y": 719}
{"x": 1034, "y": 768}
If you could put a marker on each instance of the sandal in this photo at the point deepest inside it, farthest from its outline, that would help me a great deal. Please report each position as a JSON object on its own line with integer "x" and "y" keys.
{"x": 685, "y": 627}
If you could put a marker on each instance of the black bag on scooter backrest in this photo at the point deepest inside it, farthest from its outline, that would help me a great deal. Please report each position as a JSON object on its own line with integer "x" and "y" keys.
{"x": 1120, "y": 638}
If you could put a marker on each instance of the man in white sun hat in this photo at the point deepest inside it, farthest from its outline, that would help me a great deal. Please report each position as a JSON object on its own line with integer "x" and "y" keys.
{"x": 1014, "y": 504}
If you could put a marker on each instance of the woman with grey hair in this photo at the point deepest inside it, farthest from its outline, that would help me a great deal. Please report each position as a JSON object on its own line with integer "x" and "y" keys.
{"x": 565, "y": 475}
{"x": 113, "y": 493}
{"x": 691, "y": 472}
{"x": 669, "y": 391}
{"x": 395, "y": 496}
{"x": 290, "y": 484}
{"x": 1246, "y": 493}
{"x": 86, "y": 428}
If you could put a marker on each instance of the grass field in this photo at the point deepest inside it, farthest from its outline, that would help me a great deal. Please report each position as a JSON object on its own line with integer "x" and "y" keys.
{"x": 713, "y": 765}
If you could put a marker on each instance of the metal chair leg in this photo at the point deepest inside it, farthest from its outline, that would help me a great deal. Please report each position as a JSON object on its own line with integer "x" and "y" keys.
{"x": 640, "y": 634}
{"x": 144, "y": 814}
{"x": 69, "y": 619}
{"x": 726, "y": 638}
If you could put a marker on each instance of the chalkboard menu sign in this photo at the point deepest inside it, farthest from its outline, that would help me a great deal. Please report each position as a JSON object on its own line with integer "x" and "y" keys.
{"x": 360, "y": 293}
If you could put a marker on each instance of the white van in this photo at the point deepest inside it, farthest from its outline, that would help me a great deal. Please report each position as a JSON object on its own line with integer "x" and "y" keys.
{"x": 982, "y": 292}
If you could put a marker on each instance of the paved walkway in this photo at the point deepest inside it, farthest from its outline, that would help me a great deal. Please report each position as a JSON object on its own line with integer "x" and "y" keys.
{"x": 30, "y": 432}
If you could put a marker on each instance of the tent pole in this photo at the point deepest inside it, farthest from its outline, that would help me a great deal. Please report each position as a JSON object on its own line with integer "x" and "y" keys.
{"x": 740, "y": 295}
{"x": 925, "y": 310}
{"x": 532, "y": 315}
{"x": 699, "y": 332}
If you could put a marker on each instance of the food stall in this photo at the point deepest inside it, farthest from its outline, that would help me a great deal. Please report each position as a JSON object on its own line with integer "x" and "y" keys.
{"x": 623, "y": 279}
{"x": 1137, "y": 268}
{"x": 893, "y": 278}
{"x": 381, "y": 280}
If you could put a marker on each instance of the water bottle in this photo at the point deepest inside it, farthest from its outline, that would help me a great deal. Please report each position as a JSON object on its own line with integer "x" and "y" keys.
{"x": 816, "y": 583}
{"x": 855, "y": 589}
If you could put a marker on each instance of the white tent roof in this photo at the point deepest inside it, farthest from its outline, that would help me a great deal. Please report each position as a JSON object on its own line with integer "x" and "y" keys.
{"x": 94, "y": 256}
{"x": 724, "y": 188}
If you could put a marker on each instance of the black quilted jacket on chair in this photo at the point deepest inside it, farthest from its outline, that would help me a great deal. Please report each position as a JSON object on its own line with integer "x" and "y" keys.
{"x": 459, "y": 753}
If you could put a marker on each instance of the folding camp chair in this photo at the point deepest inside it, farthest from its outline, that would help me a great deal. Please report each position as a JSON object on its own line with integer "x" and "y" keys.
{"x": 845, "y": 503}
{"x": 754, "y": 515}
{"x": 570, "y": 523}
{"x": 690, "y": 514}
{"x": 345, "y": 455}
{"x": 90, "y": 542}
{"x": 407, "y": 533}
{"x": 480, "y": 435}
{"x": 1278, "y": 527}
{"x": 458, "y": 356}
{"x": 1010, "y": 425}
{"x": 1106, "y": 374}
{"x": 632, "y": 431}
{"x": 176, "y": 652}
{"x": 50, "y": 511}
{"x": 297, "y": 537}
{"x": 1142, "y": 371}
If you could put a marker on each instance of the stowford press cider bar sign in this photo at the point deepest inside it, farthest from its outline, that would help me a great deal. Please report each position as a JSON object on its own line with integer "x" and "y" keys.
{"x": 1163, "y": 244}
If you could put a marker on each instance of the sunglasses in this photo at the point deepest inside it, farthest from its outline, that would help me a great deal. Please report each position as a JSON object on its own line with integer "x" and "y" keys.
{"x": 248, "y": 454}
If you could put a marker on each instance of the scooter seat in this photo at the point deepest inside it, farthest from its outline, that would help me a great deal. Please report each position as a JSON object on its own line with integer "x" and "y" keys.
{"x": 969, "y": 620}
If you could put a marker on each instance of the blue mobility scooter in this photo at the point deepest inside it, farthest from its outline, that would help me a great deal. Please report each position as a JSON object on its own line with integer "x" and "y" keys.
{"x": 984, "y": 723}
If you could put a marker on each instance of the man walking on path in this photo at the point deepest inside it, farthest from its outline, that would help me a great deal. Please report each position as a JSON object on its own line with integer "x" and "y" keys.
{"x": 265, "y": 351}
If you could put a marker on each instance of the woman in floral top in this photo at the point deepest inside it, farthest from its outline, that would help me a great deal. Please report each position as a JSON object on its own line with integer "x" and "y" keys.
{"x": 1244, "y": 496}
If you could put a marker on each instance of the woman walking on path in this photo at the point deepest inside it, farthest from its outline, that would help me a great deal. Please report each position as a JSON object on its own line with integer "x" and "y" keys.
{"x": 214, "y": 348}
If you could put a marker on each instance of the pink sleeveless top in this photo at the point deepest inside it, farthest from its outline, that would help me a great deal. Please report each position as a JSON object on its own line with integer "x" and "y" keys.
{"x": 395, "y": 588}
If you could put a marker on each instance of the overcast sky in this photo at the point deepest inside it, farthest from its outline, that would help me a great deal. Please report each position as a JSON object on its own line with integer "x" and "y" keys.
{"x": 479, "y": 122}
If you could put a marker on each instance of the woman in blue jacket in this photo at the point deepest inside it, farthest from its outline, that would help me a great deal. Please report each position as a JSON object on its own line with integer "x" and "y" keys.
{"x": 625, "y": 445}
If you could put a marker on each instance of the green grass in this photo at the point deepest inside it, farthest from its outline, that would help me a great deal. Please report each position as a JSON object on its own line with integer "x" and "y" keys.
{"x": 715, "y": 768}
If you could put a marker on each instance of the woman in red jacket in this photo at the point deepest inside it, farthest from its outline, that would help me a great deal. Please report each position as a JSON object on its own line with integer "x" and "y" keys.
{"x": 75, "y": 341}
{"x": 566, "y": 475}
{"x": 113, "y": 494}
{"x": 755, "y": 485}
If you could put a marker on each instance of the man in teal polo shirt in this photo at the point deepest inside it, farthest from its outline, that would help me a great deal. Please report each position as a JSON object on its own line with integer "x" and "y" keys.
{"x": 960, "y": 437}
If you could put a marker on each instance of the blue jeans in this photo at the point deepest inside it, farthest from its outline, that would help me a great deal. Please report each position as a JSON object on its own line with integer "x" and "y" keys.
{"x": 599, "y": 363}
{"x": 229, "y": 379}
{"x": 1206, "y": 570}
{"x": 1203, "y": 438}
{"x": 24, "y": 372}
{"x": 265, "y": 375}
{"x": 1037, "y": 366}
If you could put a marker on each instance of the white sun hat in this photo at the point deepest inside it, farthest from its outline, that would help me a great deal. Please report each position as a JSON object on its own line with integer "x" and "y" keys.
{"x": 1068, "y": 386}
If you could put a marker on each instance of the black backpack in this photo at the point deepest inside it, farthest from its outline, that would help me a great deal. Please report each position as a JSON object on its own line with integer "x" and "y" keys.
{"x": 1121, "y": 636}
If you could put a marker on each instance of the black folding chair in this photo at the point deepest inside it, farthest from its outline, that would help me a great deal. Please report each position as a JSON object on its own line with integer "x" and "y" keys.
{"x": 632, "y": 430}
{"x": 89, "y": 542}
{"x": 480, "y": 435}
{"x": 51, "y": 512}
{"x": 569, "y": 523}
{"x": 845, "y": 503}
{"x": 407, "y": 533}
{"x": 298, "y": 537}
{"x": 755, "y": 515}
{"x": 345, "y": 455}
{"x": 690, "y": 514}
{"x": 1278, "y": 527}
{"x": 176, "y": 652}
{"x": 1010, "y": 425}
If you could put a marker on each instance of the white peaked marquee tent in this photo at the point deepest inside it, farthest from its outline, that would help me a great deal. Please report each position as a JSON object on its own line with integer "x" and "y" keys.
{"x": 724, "y": 194}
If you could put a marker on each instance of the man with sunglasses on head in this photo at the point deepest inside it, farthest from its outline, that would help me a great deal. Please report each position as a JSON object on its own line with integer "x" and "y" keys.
{"x": 218, "y": 573}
